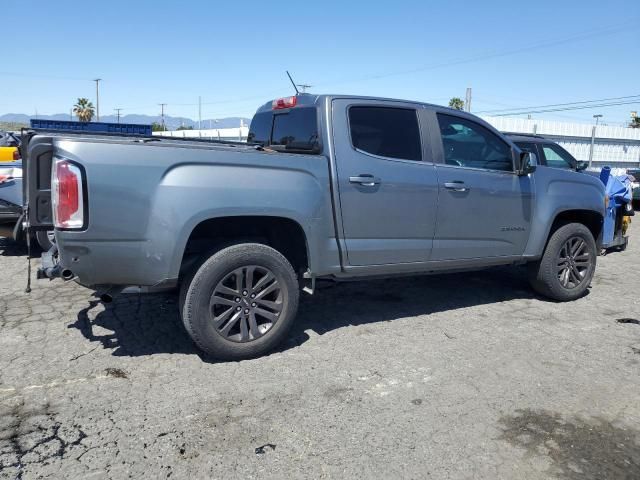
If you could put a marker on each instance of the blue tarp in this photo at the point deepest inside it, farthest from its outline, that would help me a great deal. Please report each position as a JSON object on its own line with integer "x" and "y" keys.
{"x": 618, "y": 189}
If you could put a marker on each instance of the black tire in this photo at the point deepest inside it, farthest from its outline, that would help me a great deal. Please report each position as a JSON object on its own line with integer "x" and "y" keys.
{"x": 565, "y": 280}
{"x": 44, "y": 239}
{"x": 252, "y": 333}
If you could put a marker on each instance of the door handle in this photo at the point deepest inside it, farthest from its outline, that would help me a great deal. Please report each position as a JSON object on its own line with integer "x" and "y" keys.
{"x": 456, "y": 186}
{"x": 365, "y": 180}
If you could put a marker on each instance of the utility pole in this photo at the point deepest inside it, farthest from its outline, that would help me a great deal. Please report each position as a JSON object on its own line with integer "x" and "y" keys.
{"x": 467, "y": 101}
{"x": 199, "y": 113}
{"x": 71, "y": 114}
{"x": 162, "y": 105}
{"x": 97, "y": 80}
{"x": 118, "y": 113}
{"x": 593, "y": 137}
{"x": 304, "y": 86}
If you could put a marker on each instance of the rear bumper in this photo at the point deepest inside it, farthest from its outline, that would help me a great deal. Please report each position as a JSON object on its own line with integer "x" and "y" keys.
{"x": 106, "y": 265}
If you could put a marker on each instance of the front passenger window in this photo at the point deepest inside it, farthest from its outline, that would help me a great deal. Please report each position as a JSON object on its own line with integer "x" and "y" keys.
{"x": 468, "y": 144}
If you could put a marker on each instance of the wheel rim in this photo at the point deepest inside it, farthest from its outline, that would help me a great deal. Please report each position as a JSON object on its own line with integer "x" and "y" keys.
{"x": 573, "y": 263}
{"x": 246, "y": 303}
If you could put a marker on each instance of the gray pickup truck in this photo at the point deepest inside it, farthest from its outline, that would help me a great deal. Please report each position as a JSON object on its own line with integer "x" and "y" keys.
{"x": 327, "y": 187}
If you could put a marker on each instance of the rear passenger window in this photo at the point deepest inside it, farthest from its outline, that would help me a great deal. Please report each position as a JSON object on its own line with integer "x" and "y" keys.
{"x": 469, "y": 144}
{"x": 385, "y": 131}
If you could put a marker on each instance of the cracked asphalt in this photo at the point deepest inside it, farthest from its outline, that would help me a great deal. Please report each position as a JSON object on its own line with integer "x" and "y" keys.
{"x": 446, "y": 377}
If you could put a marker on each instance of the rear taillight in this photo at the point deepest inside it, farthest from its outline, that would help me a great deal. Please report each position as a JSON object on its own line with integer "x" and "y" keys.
{"x": 67, "y": 199}
{"x": 287, "y": 102}
{"x": 16, "y": 154}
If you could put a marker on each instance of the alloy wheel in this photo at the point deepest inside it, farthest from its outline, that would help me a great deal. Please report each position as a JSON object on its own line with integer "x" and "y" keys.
{"x": 246, "y": 303}
{"x": 573, "y": 262}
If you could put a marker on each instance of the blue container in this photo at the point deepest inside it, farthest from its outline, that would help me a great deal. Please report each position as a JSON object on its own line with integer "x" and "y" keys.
{"x": 99, "y": 127}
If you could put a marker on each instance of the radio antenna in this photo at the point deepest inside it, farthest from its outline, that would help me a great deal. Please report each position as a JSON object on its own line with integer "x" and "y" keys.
{"x": 292, "y": 82}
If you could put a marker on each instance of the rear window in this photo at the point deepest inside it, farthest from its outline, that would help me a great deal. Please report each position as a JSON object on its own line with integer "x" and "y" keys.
{"x": 295, "y": 130}
{"x": 260, "y": 129}
{"x": 386, "y": 131}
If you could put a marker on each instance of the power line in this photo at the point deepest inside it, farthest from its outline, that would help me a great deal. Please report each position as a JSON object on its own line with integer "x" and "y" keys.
{"x": 544, "y": 44}
{"x": 539, "y": 45}
{"x": 564, "y": 109}
{"x": 501, "y": 110}
{"x": 51, "y": 77}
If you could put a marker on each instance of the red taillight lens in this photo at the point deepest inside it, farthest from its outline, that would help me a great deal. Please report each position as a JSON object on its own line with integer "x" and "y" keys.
{"x": 68, "y": 208}
{"x": 286, "y": 102}
{"x": 16, "y": 154}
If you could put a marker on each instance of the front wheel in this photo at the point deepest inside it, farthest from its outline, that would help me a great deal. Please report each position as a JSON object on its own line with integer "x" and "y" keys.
{"x": 567, "y": 266}
{"x": 241, "y": 302}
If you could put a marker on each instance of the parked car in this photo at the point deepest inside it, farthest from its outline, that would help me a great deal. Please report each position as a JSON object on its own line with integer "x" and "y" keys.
{"x": 10, "y": 197}
{"x": 11, "y": 210}
{"x": 548, "y": 152}
{"x": 635, "y": 173}
{"x": 9, "y": 143}
{"x": 328, "y": 187}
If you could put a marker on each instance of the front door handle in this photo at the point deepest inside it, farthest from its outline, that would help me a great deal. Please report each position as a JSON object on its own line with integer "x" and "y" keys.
{"x": 365, "y": 180}
{"x": 456, "y": 186}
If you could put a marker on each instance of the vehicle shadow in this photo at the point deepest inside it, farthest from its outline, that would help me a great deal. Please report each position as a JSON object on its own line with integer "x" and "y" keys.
{"x": 136, "y": 325}
{"x": 9, "y": 248}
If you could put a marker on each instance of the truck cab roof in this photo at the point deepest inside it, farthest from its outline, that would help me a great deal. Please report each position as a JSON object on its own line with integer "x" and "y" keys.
{"x": 309, "y": 99}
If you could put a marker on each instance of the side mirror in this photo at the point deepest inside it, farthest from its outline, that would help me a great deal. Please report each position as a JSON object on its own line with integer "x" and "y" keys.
{"x": 580, "y": 166}
{"x": 528, "y": 163}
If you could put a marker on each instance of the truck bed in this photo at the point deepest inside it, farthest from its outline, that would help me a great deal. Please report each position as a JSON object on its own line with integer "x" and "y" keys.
{"x": 145, "y": 196}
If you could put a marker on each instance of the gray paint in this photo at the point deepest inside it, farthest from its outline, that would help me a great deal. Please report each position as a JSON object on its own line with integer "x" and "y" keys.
{"x": 145, "y": 199}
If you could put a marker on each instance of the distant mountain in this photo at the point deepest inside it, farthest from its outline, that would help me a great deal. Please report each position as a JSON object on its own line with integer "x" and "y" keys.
{"x": 171, "y": 122}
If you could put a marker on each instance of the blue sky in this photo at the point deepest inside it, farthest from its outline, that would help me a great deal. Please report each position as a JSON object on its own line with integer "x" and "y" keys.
{"x": 234, "y": 54}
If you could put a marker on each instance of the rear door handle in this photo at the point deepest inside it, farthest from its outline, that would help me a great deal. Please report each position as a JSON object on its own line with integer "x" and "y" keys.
{"x": 365, "y": 179}
{"x": 456, "y": 186}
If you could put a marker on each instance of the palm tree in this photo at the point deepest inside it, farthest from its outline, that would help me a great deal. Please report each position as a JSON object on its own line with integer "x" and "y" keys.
{"x": 84, "y": 110}
{"x": 457, "y": 103}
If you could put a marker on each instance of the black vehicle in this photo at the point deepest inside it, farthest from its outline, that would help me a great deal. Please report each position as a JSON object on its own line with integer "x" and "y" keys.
{"x": 548, "y": 152}
{"x": 635, "y": 173}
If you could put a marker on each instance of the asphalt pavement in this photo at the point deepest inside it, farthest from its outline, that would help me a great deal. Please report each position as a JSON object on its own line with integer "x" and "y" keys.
{"x": 455, "y": 376}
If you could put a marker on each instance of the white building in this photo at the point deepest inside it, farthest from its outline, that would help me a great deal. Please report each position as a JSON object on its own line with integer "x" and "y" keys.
{"x": 236, "y": 134}
{"x": 613, "y": 146}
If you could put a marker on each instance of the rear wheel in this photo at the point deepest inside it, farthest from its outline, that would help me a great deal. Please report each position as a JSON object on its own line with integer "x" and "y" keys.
{"x": 567, "y": 266}
{"x": 241, "y": 302}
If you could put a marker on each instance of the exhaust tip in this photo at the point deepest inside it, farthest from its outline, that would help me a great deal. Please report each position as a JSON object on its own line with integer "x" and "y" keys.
{"x": 106, "y": 298}
{"x": 66, "y": 274}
